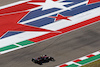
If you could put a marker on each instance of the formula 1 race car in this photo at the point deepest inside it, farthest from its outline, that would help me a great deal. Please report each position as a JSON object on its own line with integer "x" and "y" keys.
{"x": 42, "y": 59}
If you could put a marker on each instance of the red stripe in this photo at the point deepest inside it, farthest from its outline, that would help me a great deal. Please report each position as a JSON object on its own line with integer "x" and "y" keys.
{"x": 66, "y": 29}
{"x": 77, "y": 60}
{"x": 38, "y": 1}
{"x": 93, "y": 1}
{"x": 91, "y": 55}
{"x": 63, "y": 65}
{"x": 55, "y": 0}
{"x": 43, "y": 37}
{"x": 19, "y": 7}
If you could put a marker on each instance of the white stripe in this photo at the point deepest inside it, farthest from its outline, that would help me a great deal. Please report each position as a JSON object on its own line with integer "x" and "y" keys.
{"x": 96, "y": 53}
{"x": 83, "y": 58}
{"x": 12, "y": 4}
{"x": 75, "y": 19}
{"x": 69, "y": 63}
{"x": 57, "y": 66}
{"x": 37, "y": 18}
{"x": 19, "y": 37}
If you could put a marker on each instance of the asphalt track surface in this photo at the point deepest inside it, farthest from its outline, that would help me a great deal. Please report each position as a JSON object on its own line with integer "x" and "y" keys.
{"x": 5, "y": 2}
{"x": 63, "y": 48}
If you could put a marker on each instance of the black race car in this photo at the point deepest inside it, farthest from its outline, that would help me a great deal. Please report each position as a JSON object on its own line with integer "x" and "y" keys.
{"x": 42, "y": 59}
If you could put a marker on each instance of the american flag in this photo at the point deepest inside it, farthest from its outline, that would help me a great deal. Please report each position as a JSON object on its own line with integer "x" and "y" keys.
{"x": 38, "y": 17}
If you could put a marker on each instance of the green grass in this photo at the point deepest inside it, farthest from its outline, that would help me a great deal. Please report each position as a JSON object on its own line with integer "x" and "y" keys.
{"x": 93, "y": 64}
